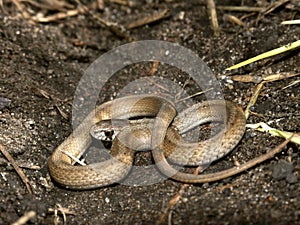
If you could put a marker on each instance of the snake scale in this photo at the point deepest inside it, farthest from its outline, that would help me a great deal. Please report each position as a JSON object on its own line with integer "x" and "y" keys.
{"x": 162, "y": 135}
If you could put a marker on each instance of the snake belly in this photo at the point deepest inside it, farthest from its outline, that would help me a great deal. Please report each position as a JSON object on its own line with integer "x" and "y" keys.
{"x": 165, "y": 141}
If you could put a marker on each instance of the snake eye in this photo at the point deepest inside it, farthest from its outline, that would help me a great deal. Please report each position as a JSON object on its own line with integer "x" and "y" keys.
{"x": 109, "y": 135}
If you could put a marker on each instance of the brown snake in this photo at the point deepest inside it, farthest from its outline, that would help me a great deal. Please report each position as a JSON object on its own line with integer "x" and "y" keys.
{"x": 161, "y": 135}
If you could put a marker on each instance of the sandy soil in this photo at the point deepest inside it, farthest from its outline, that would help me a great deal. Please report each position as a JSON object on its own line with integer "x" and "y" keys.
{"x": 41, "y": 65}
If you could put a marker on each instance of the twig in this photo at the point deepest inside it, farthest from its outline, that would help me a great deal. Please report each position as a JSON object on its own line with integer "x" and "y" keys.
{"x": 26, "y": 217}
{"x": 268, "y": 78}
{"x": 213, "y": 16}
{"x": 50, "y": 5}
{"x": 63, "y": 211}
{"x": 1, "y": 6}
{"x": 122, "y": 2}
{"x": 212, "y": 177}
{"x": 257, "y": 160}
{"x": 62, "y": 113}
{"x": 149, "y": 19}
{"x": 17, "y": 168}
{"x": 270, "y": 8}
{"x": 247, "y": 78}
{"x": 235, "y": 20}
{"x": 116, "y": 28}
{"x": 57, "y": 16}
{"x": 241, "y": 8}
{"x": 21, "y": 8}
{"x": 274, "y": 6}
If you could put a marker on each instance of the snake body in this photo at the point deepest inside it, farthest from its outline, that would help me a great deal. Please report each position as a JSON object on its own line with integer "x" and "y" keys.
{"x": 161, "y": 134}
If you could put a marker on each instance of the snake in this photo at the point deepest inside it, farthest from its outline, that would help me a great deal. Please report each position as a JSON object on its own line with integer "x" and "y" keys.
{"x": 158, "y": 127}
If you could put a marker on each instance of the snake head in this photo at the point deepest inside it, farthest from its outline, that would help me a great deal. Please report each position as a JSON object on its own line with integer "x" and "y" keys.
{"x": 107, "y": 130}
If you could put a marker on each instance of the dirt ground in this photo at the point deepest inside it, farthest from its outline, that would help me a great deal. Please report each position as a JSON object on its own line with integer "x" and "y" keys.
{"x": 42, "y": 63}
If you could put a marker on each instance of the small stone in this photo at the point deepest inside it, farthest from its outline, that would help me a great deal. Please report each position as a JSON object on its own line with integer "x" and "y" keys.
{"x": 292, "y": 178}
{"x": 4, "y": 102}
{"x": 282, "y": 170}
{"x": 226, "y": 192}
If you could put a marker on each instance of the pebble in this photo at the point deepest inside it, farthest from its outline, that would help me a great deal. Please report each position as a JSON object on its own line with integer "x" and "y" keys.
{"x": 4, "y": 102}
{"x": 282, "y": 170}
{"x": 292, "y": 179}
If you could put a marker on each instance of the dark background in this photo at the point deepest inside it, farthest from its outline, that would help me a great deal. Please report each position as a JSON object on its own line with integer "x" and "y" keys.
{"x": 42, "y": 63}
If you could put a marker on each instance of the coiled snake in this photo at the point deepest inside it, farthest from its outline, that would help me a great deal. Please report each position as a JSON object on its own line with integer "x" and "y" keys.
{"x": 160, "y": 134}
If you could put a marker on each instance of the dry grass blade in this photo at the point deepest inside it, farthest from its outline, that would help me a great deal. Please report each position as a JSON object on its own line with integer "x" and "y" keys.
{"x": 268, "y": 78}
{"x": 100, "y": 4}
{"x": 290, "y": 22}
{"x": 274, "y": 6}
{"x": 253, "y": 98}
{"x": 1, "y": 5}
{"x": 21, "y": 8}
{"x": 263, "y": 127}
{"x": 273, "y": 52}
{"x": 291, "y": 84}
{"x": 279, "y": 76}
